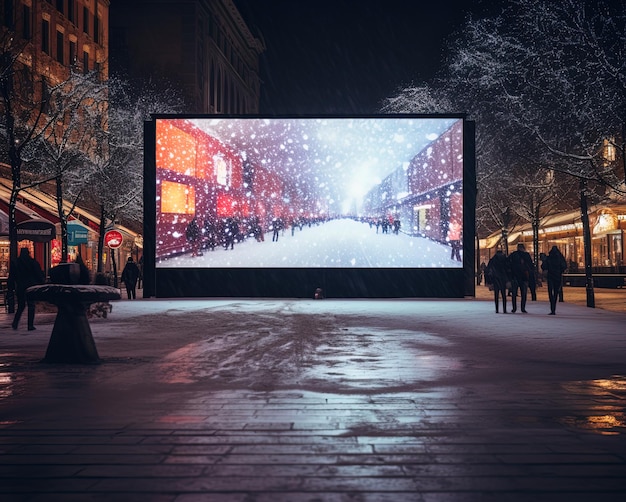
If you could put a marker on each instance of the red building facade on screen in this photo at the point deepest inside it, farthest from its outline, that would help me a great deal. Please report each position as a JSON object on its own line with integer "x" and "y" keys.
{"x": 199, "y": 176}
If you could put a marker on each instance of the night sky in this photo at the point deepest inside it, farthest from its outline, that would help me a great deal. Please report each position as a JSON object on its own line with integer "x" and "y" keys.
{"x": 346, "y": 56}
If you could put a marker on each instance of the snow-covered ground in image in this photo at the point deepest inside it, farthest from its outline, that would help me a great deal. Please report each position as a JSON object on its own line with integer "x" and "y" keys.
{"x": 341, "y": 243}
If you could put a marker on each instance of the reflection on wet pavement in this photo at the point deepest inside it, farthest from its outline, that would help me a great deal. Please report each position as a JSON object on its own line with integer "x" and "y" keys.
{"x": 607, "y": 414}
{"x": 297, "y": 401}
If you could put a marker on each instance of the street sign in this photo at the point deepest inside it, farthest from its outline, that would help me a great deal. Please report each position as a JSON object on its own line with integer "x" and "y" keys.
{"x": 113, "y": 239}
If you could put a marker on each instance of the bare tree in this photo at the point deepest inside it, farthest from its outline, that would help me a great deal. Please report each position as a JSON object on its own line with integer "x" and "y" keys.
{"x": 65, "y": 147}
{"x": 115, "y": 179}
{"x": 556, "y": 72}
{"x": 33, "y": 107}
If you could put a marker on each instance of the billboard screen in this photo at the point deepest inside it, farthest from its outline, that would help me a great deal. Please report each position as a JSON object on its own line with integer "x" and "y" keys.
{"x": 382, "y": 192}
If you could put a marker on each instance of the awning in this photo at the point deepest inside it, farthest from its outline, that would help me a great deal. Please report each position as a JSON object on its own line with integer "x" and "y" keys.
{"x": 77, "y": 233}
{"x": 36, "y": 230}
{"x": 4, "y": 223}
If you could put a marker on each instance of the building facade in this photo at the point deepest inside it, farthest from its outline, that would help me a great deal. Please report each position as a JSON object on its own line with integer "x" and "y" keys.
{"x": 42, "y": 42}
{"x": 59, "y": 34}
{"x": 565, "y": 230}
{"x": 202, "y": 47}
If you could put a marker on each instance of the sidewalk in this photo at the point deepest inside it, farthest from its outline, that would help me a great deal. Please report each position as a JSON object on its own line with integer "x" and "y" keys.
{"x": 301, "y": 400}
{"x": 606, "y": 299}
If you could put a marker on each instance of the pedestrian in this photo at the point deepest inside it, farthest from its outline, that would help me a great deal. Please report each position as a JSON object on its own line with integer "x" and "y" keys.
{"x": 532, "y": 283}
{"x": 194, "y": 237}
{"x": 231, "y": 229}
{"x": 497, "y": 276}
{"x": 554, "y": 265}
{"x": 130, "y": 275}
{"x": 140, "y": 264}
{"x": 210, "y": 233}
{"x": 84, "y": 275}
{"x": 522, "y": 267}
{"x": 24, "y": 273}
{"x": 276, "y": 226}
{"x": 454, "y": 237}
{"x": 481, "y": 272}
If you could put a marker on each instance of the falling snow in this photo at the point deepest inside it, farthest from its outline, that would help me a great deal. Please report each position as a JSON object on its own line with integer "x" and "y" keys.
{"x": 308, "y": 192}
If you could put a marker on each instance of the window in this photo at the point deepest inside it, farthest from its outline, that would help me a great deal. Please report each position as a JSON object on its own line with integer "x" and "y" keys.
{"x": 177, "y": 198}
{"x": 45, "y": 36}
{"x": 222, "y": 171}
{"x": 60, "y": 6}
{"x": 8, "y": 15}
{"x": 96, "y": 29}
{"x": 60, "y": 47}
{"x": 85, "y": 62}
{"x": 73, "y": 53}
{"x": 609, "y": 150}
{"x": 27, "y": 30}
{"x": 86, "y": 20}
{"x": 212, "y": 85}
{"x": 71, "y": 10}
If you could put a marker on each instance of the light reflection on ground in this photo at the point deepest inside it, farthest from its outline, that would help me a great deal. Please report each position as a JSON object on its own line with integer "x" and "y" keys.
{"x": 608, "y": 395}
{"x": 6, "y": 385}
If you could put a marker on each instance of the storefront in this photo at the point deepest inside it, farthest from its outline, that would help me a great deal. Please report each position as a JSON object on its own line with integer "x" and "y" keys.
{"x": 607, "y": 225}
{"x": 82, "y": 231}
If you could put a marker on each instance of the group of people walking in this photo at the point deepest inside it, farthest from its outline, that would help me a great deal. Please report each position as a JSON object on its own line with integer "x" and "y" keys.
{"x": 517, "y": 273}
{"x": 230, "y": 231}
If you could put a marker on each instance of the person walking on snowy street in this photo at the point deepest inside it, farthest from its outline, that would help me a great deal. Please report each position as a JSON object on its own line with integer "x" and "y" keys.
{"x": 497, "y": 275}
{"x": 522, "y": 267}
{"x": 130, "y": 275}
{"x": 194, "y": 237}
{"x": 454, "y": 237}
{"x": 24, "y": 273}
{"x": 554, "y": 265}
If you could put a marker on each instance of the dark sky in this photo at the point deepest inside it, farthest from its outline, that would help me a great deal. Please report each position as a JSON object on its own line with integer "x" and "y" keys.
{"x": 346, "y": 56}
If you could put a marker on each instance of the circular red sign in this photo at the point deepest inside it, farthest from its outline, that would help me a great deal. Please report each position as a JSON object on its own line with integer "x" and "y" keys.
{"x": 113, "y": 239}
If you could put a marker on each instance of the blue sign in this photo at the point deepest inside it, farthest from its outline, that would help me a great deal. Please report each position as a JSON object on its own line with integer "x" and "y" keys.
{"x": 77, "y": 234}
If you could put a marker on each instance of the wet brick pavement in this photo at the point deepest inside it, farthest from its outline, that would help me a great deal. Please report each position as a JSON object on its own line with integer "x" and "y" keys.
{"x": 458, "y": 416}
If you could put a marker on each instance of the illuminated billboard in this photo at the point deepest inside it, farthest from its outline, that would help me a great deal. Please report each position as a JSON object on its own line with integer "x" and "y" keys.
{"x": 307, "y": 193}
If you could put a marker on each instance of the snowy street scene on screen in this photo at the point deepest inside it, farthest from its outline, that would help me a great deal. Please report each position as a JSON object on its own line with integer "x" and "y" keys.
{"x": 375, "y": 192}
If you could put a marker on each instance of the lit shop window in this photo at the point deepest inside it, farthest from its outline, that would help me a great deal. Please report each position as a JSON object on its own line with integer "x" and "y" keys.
{"x": 176, "y": 150}
{"x": 177, "y": 198}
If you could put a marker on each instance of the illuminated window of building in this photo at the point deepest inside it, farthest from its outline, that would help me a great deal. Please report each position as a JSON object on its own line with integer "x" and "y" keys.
{"x": 608, "y": 150}
{"x": 177, "y": 198}
{"x": 176, "y": 150}
{"x": 222, "y": 171}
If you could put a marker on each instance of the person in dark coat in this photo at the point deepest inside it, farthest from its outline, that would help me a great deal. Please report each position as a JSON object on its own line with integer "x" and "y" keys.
{"x": 231, "y": 229}
{"x": 497, "y": 275}
{"x": 130, "y": 275}
{"x": 194, "y": 237}
{"x": 85, "y": 276}
{"x": 554, "y": 265}
{"x": 276, "y": 226}
{"x": 522, "y": 267}
{"x": 24, "y": 273}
